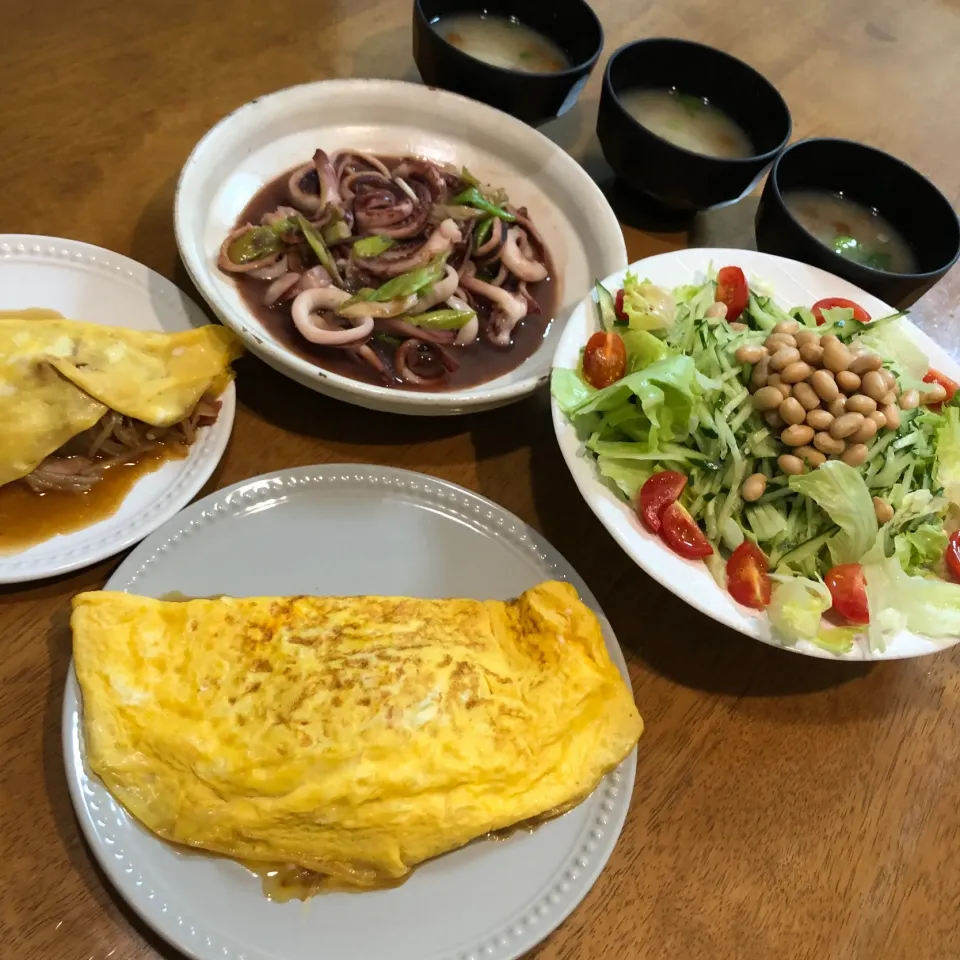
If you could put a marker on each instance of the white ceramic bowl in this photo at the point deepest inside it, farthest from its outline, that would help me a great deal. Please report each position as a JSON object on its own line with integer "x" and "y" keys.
{"x": 792, "y": 284}
{"x": 275, "y": 133}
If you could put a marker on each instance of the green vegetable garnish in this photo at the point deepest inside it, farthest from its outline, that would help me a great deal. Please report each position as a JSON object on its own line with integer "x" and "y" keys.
{"x": 404, "y": 285}
{"x": 373, "y": 246}
{"x": 254, "y": 245}
{"x": 484, "y": 229}
{"x": 333, "y": 232}
{"x": 441, "y": 319}
{"x": 313, "y": 237}
{"x": 474, "y": 198}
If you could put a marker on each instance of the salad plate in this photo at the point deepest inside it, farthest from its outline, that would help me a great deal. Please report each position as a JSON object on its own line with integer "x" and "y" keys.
{"x": 900, "y": 600}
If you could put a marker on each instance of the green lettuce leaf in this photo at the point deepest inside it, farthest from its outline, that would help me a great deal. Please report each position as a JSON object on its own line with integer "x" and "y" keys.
{"x": 947, "y": 471}
{"x": 842, "y": 494}
{"x": 643, "y": 348}
{"x": 796, "y": 607}
{"x": 647, "y": 306}
{"x": 628, "y": 475}
{"x": 569, "y": 389}
{"x": 892, "y": 342}
{"x": 921, "y": 549}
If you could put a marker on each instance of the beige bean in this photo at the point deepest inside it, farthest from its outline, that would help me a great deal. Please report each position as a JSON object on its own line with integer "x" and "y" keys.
{"x": 797, "y": 435}
{"x": 826, "y": 386}
{"x": 859, "y": 403}
{"x": 836, "y": 357}
{"x": 738, "y": 326}
{"x": 783, "y": 358}
{"x": 829, "y": 338}
{"x": 779, "y": 341}
{"x": 787, "y": 326}
{"x": 890, "y": 397}
{"x": 811, "y": 353}
{"x": 750, "y": 353}
{"x": 806, "y": 335}
{"x": 753, "y": 487}
{"x": 790, "y": 464}
{"x": 827, "y": 444}
{"x": 848, "y": 382}
{"x": 873, "y": 385}
{"x": 820, "y": 419}
{"x": 855, "y": 454}
{"x": 857, "y": 349}
{"x": 878, "y": 418}
{"x": 889, "y": 378}
{"x": 864, "y": 363}
{"x": 866, "y": 431}
{"x": 774, "y": 419}
{"x": 767, "y": 398}
{"x": 837, "y": 407}
{"x": 936, "y": 394}
{"x": 796, "y": 372}
{"x": 806, "y": 395}
{"x": 775, "y": 380}
{"x": 892, "y": 414}
{"x": 810, "y": 456}
{"x": 847, "y": 424}
{"x": 791, "y": 411}
{"x": 882, "y": 509}
{"x": 909, "y": 400}
{"x": 761, "y": 371}
{"x": 717, "y": 310}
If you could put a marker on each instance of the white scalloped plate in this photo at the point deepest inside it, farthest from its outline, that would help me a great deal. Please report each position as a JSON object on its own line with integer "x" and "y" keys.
{"x": 792, "y": 283}
{"x": 396, "y": 533}
{"x": 274, "y": 133}
{"x": 84, "y": 282}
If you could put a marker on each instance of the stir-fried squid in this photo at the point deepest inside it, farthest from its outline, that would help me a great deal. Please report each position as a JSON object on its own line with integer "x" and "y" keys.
{"x": 397, "y": 262}
{"x": 79, "y": 464}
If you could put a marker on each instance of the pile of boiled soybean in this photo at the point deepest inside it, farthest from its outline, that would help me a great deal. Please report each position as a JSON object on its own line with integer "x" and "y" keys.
{"x": 827, "y": 399}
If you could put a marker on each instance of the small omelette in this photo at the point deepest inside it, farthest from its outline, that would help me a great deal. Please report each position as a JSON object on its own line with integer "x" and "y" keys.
{"x": 113, "y": 388}
{"x": 349, "y": 737}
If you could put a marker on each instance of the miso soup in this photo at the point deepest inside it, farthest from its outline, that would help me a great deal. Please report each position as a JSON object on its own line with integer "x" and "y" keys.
{"x": 857, "y": 232}
{"x": 693, "y": 123}
{"x": 501, "y": 42}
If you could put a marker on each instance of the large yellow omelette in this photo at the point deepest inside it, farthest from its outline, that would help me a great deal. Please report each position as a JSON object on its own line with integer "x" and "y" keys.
{"x": 351, "y": 736}
{"x": 58, "y": 377}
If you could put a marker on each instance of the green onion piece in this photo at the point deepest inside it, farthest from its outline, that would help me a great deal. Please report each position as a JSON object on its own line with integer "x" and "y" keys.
{"x": 332, "y": 232}
{"x": 467, "y": 177}
{"x": 312, "y": 236}
{"x": 254, "y": 245}
{"x": 441, "y": 319}
{"x": 474, "y": 198}
{"x": 483, "y": 231}
{"x": 412, "y": 282}
{"x": 373, "y": 246}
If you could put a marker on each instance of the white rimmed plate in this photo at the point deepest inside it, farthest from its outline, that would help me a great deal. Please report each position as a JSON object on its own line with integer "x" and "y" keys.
{"x": 396, "y": 533}
{"x": 274, "y": 133}
{"x": 84, "y": 282}
{"x": 792, "y": 284}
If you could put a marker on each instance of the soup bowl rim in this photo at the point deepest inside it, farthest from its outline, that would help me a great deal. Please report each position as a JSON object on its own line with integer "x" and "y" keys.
{"x": 774, "y": 186}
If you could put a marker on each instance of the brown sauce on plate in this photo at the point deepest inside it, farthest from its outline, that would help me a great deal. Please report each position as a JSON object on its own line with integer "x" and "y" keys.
{"x": 480, "y": 362}
{"x": 28, "y": 518}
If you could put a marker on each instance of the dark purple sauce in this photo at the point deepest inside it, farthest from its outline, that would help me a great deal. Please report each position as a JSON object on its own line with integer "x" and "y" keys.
{"x": 479, "y": 361}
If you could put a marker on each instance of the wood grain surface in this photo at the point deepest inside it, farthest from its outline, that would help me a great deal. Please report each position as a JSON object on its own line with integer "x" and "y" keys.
{"x": 785, "y": 807}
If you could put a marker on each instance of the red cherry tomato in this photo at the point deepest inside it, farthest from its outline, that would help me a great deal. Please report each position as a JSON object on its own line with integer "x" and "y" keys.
{"x": 618, "y": 308}
{"x": 747, "y": 578}
{"x": 952, "y": 555}
{"x": 732, "y": 291}
{"x": 680, "y": 532}
{"x": 848, "y": 590}
{"x": 657, "y": 493}
{"x": 604, "y": 360}
{"x": 831, "y": 303}
{"x": 951, "y": 386}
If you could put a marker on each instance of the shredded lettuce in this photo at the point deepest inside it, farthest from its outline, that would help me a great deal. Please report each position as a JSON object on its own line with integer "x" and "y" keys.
{"x": 839, "y": 490}
{"x": 947, "y": 468}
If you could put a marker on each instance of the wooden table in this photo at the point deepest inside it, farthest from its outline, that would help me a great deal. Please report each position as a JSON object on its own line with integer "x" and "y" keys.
{"x": 785, "y": 807}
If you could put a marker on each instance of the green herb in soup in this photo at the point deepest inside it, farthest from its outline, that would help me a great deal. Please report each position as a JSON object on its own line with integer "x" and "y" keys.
{"x": 857, "y": 232}
{"x": 501, "y": 42}
{"x": 687, "y": 121}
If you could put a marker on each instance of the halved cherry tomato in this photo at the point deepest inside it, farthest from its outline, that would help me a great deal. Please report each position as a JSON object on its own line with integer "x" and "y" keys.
{"x": 657, "y": 493}
{"x": 848, "y": 590}
{"x": 618, "y": 308}
{"x": 951, "y": 386}
{"x": 952, "y": 555}
{"x": 732, "y": 291}
{"x": 604, "y": 360}
{"x": 831, "y": 303}
{"x": 747, "y": 578}
{"x": 680, "y": 532}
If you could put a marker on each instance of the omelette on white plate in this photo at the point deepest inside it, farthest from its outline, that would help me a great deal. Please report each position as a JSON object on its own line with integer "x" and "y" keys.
{"x": 350, "y": 737}
{"x": 76, "y": 396}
